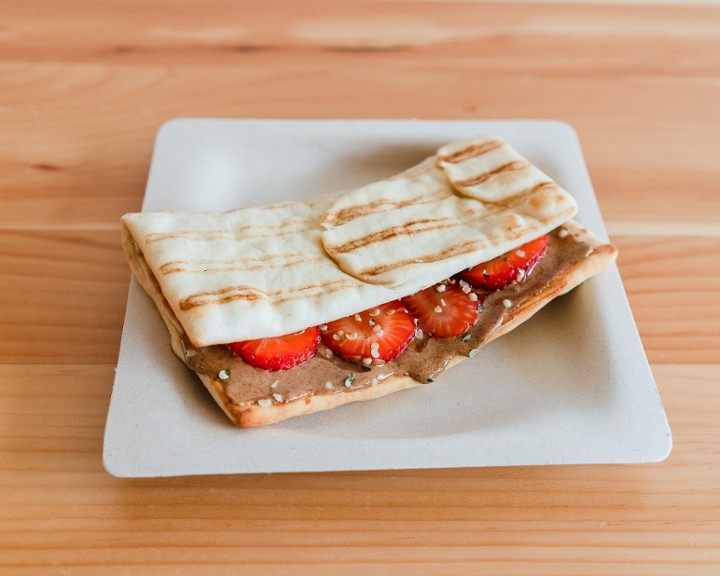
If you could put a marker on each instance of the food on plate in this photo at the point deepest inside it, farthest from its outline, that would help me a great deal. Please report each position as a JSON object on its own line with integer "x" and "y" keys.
{"x": 302, "y": 306}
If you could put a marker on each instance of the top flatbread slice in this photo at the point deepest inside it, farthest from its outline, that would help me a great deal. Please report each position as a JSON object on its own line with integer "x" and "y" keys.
{"x": 471, "y": 202}
{"x": 263, "y": 272}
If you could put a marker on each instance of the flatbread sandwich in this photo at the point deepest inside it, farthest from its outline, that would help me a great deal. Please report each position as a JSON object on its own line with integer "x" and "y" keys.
{"x": 295, "y": 307}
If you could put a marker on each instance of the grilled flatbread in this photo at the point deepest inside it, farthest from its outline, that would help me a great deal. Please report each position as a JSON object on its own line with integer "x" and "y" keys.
{"x": 263, "y": 272}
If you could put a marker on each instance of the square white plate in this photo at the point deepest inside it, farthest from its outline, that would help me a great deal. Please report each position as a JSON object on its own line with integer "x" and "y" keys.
{"x": 570, "y": 386}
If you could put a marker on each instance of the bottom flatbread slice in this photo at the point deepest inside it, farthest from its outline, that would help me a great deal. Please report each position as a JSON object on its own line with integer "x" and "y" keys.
{"x": 589, "y": 256}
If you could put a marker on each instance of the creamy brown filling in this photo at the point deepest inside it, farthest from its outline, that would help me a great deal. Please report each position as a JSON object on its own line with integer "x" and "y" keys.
{"x": 423, "y": 360}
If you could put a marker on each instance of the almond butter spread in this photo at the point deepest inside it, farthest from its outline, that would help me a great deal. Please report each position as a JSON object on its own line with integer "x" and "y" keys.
{"x": 423, "y": 360}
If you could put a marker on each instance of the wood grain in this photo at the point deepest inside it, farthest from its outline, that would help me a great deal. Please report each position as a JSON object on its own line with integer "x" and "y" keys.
{"x": 58, "y": 508}
{"x": 83, "y": 88}
{"x": 62, "y": 296}
{"x": 675, "y": 301}
{"x": 81, "y": 117}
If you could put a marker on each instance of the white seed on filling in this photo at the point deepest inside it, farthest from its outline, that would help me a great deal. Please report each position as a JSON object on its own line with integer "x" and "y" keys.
{"x": 375, "y": 353}
{"x": 506, "y": 303}
{"x": 438, "y": 309}
{"x": 419, "y": 334}
{"x": 278, "y": 397}
{"x": 329, "y": 385}
{"x": 358, "y": 318}
{"x": 442, "y": 302}
{"x": 520, "y": 253}
{"x": 380, "y": 333}
{"x": 472, "y": 296}
{"x": 441, "y": 287}
{"x": 474, "y": 352}
{"x": 367, "y": 361}
{"x": 352, "y": 336}
{"x": 264, "y": 402}
{"x": 224, "y": 374}
{"x": 377, "y": 328}
{"x": 348, "y": 381}
{"x": 375, "y": 312}
{"x": 375, "y": 346}
{"x": 323, "y": 327}
{"x": 275, "y": 384}
{"x": 336, "y": 336}
{"x": 390, "y": 312}
{"x": 563, "y": 233}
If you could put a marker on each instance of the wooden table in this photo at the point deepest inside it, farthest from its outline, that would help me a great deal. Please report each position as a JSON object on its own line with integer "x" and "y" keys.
{"x": 83, "y": 88}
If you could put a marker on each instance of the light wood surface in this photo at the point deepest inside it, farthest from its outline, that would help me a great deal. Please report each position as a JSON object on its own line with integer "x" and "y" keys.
{"x": 83, "y": 88}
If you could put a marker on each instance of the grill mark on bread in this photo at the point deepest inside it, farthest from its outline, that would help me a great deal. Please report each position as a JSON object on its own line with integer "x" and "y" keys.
{"x": 459, "y": 248}
{"x": 472, "y": 151}
{"x": 242, "y": 232}
{"x": 405, "y": 229}
{"x": 222, "y": 296}
{"x": 415, "y": 227}
{"x": 315, "y": 290}
{"x": 513, "y": 166}
{"x": 241, "y": 264}
{"x": 231, "y": 293}
{"x": 358, "y": 211}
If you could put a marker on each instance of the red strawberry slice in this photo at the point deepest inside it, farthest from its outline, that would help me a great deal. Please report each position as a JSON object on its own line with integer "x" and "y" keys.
{"x": 503, "y": 270}
{"x": 281, "y": 353}
{"x": 374, "y": 336}
{"x": 444, "y": 310}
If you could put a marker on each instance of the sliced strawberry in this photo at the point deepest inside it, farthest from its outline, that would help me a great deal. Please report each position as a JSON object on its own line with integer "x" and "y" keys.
{"x": 505, "y": 269}
{"x": 443, "y": 310}
{"x": 279, "y": 353}
{"x": 374, "y": 336}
